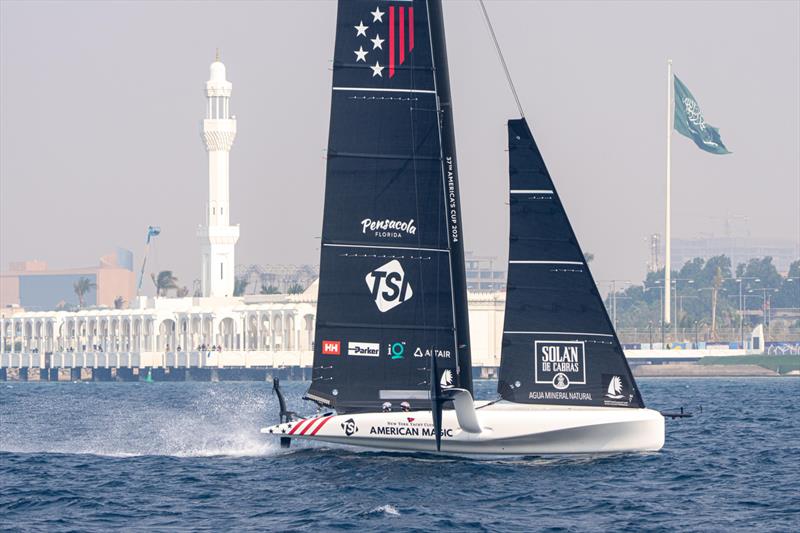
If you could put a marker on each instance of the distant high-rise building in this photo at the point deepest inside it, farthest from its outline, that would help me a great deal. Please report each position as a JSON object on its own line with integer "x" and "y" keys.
{"x": 738, "y": 249}
{"x": 34, "y": 287}
{"x": 217, "y": 236}
{"x": 484, "y": 274}
{"x": 654, "y": 265}
{"x": 280, "y": 278}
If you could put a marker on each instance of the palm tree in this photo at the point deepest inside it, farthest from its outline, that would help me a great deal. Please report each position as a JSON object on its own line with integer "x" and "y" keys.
{"x": 164, "y": 282}
{"x": 269, "y": 289}
{"x": 716, "y": 283}
{"x": 295, "y": 289}
{"x": 81, "y": 287}
{"x": 240, "y": 285}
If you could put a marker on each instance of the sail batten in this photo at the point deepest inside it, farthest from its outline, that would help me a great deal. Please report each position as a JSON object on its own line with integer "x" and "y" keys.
{"x": 559, "y": 346}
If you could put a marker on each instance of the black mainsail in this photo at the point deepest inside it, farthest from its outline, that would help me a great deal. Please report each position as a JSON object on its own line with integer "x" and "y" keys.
{"x": 392, "y": 290}
{"x": 559, "y": 346}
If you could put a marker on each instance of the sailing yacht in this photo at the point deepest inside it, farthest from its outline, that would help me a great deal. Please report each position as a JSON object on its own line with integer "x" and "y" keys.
{"x": 392, "y": 359}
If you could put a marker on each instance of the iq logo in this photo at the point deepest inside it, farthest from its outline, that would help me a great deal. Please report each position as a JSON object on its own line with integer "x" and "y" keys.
{"x": 331, "y": 348}
{"x": 397, "y": 350}
{"x": 389, "y": 286}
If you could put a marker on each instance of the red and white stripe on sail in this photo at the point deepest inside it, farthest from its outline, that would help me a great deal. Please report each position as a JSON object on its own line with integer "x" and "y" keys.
{"x": 397, "y": 38}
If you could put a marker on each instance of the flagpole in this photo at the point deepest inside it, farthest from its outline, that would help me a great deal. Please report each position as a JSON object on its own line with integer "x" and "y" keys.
{"x": 667, "y": 232}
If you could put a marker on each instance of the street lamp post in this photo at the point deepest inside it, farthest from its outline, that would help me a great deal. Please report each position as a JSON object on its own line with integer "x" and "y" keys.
{"x": 614, "y": 298}
{"x": 741, "y": 304}
{"x": 660, "y": 309}
{"x": 674, "y": 290}
{"x": 765, "y": 305}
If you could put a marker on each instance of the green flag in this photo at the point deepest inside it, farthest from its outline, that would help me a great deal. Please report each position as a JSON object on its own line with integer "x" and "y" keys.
{"x": 689, "y": 121}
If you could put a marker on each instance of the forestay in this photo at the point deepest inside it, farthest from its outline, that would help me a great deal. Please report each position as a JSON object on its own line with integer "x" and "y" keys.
{"x": 559, "y": 346}
{"x": 386, "y": 300}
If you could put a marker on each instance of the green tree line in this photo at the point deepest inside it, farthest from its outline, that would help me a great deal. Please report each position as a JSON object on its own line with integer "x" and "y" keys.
{"x": 706, "y": 293}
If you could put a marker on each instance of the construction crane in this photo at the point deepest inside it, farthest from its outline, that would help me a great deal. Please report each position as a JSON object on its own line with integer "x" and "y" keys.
{"x": 152, "y": 231}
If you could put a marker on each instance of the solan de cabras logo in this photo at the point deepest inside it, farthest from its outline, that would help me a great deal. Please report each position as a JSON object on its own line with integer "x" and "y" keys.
{"x": 389, "y": 286}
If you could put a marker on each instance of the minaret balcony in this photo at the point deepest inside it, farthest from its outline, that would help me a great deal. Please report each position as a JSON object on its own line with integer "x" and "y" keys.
{"x": 219, "y": 134}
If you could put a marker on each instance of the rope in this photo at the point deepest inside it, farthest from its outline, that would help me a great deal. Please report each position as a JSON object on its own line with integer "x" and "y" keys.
{"x": 502, "y": 59}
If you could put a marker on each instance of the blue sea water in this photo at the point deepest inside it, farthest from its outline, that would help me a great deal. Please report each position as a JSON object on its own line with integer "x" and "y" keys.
{"x": 188, "y": 456}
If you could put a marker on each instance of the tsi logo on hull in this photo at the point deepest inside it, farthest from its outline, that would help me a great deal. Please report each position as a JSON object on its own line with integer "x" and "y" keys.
{"x": 364, "y": 349}
{"x": 389, "y": 286}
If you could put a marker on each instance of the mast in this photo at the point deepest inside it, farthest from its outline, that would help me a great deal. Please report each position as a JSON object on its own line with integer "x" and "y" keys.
{"x": 450, "y": 175}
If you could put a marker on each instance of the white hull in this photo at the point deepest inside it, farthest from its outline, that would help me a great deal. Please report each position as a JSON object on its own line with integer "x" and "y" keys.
{"x": 506, "y": 429}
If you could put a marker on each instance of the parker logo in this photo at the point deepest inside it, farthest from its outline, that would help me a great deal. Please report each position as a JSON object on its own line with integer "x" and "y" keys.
{"x": 393, "y": 229}
{"x": 364, "y": 349}
{"x": 331, "y": 347}
{"x": 389, "y": 286}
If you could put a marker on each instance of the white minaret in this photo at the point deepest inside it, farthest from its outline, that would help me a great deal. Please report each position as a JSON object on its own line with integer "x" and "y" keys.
{"x": 217, "y": 237}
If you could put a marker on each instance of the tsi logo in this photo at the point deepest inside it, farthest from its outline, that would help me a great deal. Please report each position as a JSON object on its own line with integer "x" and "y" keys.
{"x": 349, "y": 426}
{"x": 389, "y": 286}
{"x": 367, "y": 349}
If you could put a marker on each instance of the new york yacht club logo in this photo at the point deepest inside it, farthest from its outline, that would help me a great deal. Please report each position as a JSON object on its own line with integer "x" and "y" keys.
{"x": 389, "y": 286}
{"x": 386, "y": 40}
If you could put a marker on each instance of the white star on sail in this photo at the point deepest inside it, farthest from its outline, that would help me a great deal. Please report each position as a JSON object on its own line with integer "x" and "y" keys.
{"x": 377, "y": 15}
{"x": 377, "y": 69}
{"x": 377, "y": 42}
{"x": 361, "y": 54}
{"x": 361, "y": 29}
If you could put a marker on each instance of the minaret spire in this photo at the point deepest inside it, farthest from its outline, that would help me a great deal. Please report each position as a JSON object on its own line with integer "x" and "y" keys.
{"x": 217, "y": 236}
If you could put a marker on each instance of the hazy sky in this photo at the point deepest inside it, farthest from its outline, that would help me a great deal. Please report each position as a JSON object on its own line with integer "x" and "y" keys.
{"x": 101, "y": 103}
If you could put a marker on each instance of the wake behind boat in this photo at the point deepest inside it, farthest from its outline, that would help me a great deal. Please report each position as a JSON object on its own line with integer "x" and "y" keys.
{"x": 392, "y": 354}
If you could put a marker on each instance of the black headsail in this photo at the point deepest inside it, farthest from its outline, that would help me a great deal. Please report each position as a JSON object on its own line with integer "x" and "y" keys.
{"x": 559, "y": 346}
{"x": 391, "y": 265}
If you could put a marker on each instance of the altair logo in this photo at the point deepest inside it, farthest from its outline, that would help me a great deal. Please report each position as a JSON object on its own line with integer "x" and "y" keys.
{"x": 389, "y": 286}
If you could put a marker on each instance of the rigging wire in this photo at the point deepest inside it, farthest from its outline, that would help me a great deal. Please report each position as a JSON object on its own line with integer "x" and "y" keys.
{"x": 502, "y": 59}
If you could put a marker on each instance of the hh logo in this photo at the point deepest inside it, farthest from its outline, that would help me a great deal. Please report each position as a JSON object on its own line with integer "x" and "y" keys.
{"x": 389, "y": 286}
{"x": 331, "y": 347}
